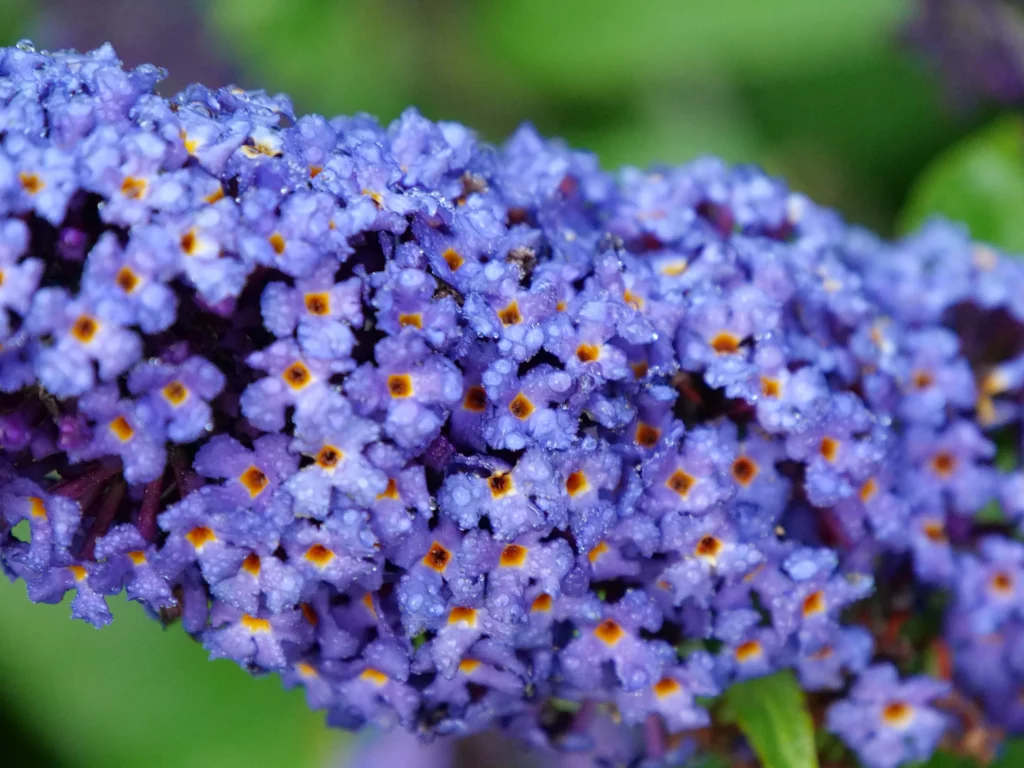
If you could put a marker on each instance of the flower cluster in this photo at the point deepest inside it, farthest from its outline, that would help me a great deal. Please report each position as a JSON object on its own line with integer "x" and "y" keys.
{"x": 456, "y": 436}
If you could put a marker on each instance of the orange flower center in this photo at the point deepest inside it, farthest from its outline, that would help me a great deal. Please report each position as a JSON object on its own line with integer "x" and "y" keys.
{"x": 437, "y": 557}
{"x": 31, "y": 182}
{"x": 297, "y": 375}
{"x": 254, "y": 481}
{"x": 510, "y": 315}
{"x": 475, "y": 400}
{"x": 513, "y": 556}
{"x": 646, "y": 436}
{"x": 500, "y": 484}
{"x": 577, "y": 483}
{"x": 318, "y": 304}
{"x": 681, "y": 482}
{"x": 609, "y": 632}
{"x": 400, "y": 385}
{"x": 521, "y": 407}
{"x": 744, "y": 470}
{"x": 725, "y": 343}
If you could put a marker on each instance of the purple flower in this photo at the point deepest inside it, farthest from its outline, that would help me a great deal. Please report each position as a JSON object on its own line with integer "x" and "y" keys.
{"x": 411, "y": 386}
{"x": 717, "y": 329}
{"x": 65, "y": 575}
{"x": 251, "y": 477}
{"x": 281, "y": 234}
{"x": 841, "y": 447}
{"x": 937, "y": 379}
{"x": 952, "y": 464}
{"x": 335, "y": 438}
{"x": 691, "y": 480}
{"x": 53, "y": 521}
{"x": 245, "y": 638}
{"x": 125, "y": 169}
{"x": 823, "y": 658}
{"x": 709, "y": 547}
{"x": 405, "y": 299}
{"x": 45, "y": 180}
{"x": 264, "y": 576}
{"x": 674, "y": 695}
{"x": 320, "y": 312}
{"x": 179, "y": 395}
{"x": 889, "y": 722}
{"x": 339, "y": 552}
{"x": 988, "y": 588}
{"x": 131, "y": 564}
{"x": 131, "y": 430}
{"x": 85, "y": 332}
{"x": 136, "y": 277}
{"x": 20, "y": 275}
{"x": 638, "y": 663}
{"x": 293, "y": 380}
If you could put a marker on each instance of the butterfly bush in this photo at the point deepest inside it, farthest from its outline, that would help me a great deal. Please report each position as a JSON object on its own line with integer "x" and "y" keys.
{"x": 457, "y": 436}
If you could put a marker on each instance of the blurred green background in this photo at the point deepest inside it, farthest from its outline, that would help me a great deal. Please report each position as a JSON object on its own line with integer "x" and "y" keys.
{"x": 819, "y": 91}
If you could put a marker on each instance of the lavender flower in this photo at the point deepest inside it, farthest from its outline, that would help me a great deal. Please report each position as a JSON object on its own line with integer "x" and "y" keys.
{"x": 460, "y": 437}
{"x": 888, "y": 722}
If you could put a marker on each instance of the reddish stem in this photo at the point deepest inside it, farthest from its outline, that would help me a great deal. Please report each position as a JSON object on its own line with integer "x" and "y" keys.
{"x": 185, "y": 479}
{"x": 146, "y": 519}
{"x": 77, "y": 488}
{"x": 104, "y": 517}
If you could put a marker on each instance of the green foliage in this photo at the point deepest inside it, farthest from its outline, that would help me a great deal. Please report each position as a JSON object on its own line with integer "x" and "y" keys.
{"x": 13, "y": 17}
{"x": 1011, "y": 756}
{"x": 772, "y": 714}
{"x": 946, "y": 760}
{"x": 979, "y": 181}
{"x": 134, "y": 692}
{"x": 581, "y": 46}
{"x": 333, "y": 54}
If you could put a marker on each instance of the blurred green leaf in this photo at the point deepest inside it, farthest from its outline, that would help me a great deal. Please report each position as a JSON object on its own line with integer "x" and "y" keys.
{"x": 979, "y": 181}
{"x": 663, "y": 130}
{"x": 1012, "y": 755}
{"x": 598, "y": 45}
{"x": 134, "y": 694}
{"x": 13, "y": 15}
{"x": 327, "y": 54}
{"x": 772, "y": 713}
{"x": 851, "y": 134}
{"x": 946, "y": 760}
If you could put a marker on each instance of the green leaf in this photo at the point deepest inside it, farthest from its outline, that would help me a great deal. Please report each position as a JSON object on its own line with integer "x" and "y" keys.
{"x": 772, "y": 713}
{"x": 1012, "y": 755}
{"x": 13, "y": 17}
{"x": 946, "y": 760}
{"x": 980, "y": 182}
{"x": 329, "y": 55}
{"x": 134, "y": 693}
{"x": 593, "y": 46}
